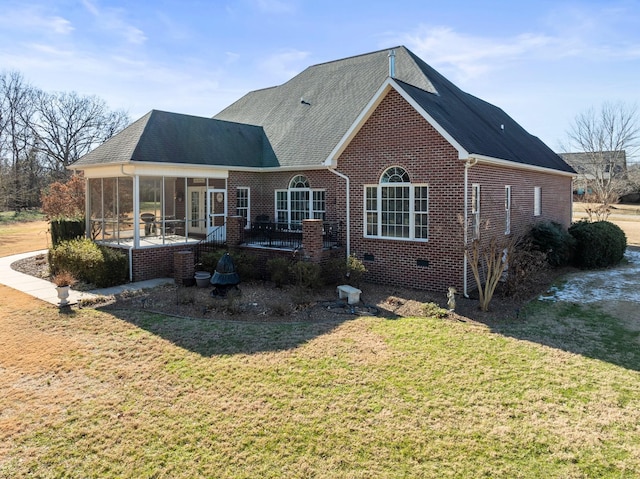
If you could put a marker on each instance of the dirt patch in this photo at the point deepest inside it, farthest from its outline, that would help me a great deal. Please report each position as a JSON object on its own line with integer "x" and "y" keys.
{"x": 262, "y": 301}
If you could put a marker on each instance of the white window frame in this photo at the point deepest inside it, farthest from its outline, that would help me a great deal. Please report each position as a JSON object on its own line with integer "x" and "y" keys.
{"x": 537, "y": 201}
{"x": 507, "y": 209}
{"x": 475, "y": 210}
{"x": 246, "y": 209}
{"x": 316, "y": 203}
{"x": 374, "y": 214}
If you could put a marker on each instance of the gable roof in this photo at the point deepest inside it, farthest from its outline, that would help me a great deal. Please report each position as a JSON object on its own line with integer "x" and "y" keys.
{"x": 586, "y": 162}
{"x": 308, "y": 116}
{"x": 303, "y": 134}
{"x": 164, "y": 137}
{"x": 303, "y": 122}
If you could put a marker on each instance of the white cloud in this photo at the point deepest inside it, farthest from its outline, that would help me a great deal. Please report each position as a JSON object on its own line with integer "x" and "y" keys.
{"x": 113, "y": 20}
{"x": 285, "y": 64}
{"x": 473, "y": 56}
{"x": 34, "y": 19}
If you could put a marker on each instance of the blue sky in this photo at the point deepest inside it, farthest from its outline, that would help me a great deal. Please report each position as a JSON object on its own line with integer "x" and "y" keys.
{"x": 543, "y": 62}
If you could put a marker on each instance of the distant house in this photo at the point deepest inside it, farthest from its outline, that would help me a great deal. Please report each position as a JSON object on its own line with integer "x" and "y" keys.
{"x": 377, "y": 155}
{"x": 598, "y": 166}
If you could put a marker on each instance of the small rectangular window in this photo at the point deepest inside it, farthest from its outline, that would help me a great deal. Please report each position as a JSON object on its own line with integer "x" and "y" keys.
{"x": 475, "y": 209}
{"x": 507, "y": 209}
{"x": 537, "y": 201}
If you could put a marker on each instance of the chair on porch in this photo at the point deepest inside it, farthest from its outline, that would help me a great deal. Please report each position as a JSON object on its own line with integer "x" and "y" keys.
{"x": 149, "y": 220}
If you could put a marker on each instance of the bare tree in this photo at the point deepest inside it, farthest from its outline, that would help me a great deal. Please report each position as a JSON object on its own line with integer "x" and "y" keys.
{"x": 605, "y": 137}
{"x": 70, "y": 125}
{"x": 16, "y": 140}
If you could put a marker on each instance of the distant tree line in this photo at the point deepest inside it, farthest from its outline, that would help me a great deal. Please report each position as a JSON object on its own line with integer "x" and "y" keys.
{"x": 41, "y": 133}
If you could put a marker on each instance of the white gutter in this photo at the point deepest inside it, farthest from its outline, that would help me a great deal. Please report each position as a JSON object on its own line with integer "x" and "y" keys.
{"x": 468, "y": 164}
{"x": 348, "y": 216}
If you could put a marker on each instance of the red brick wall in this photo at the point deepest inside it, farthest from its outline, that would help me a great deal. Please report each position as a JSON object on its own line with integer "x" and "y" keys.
{"x": 262, "y": 187}
{"x": 396, "y": 135}
{"x": 149, "y": 263}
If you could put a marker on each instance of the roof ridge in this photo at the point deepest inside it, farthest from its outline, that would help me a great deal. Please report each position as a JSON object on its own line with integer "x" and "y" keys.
{"x": 356, "y": 56}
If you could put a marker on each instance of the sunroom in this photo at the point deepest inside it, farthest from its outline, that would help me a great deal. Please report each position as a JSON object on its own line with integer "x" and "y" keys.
{"x": 142, "y": 211}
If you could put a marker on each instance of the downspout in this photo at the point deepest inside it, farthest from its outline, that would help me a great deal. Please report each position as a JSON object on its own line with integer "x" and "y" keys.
{"x": 136, "y": 225}
{"x": 348, "y": 216}
{"x": 468, "y": 164}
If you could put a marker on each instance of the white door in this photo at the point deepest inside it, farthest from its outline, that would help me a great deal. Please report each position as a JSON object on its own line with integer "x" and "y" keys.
{"x": 197, "y": 197}
{"x": 217, "y": 212}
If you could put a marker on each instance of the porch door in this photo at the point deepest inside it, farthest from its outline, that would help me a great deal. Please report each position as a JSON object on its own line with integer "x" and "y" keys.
{"x": 197, "y": 209}
{"x": 217, "y": 211}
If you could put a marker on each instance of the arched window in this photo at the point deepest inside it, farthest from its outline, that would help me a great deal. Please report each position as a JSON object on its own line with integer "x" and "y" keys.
{"x": 299, "y": 202}
{"x": 298, "y": 182}
{"x": 396, "y": 208}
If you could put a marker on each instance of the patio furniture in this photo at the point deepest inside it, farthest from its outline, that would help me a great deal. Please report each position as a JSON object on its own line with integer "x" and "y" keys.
{"x": 149, "y": 220}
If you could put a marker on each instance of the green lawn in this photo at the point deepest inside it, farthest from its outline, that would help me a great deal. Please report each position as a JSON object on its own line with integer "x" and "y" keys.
{"x": 554, "y": 394}
{"x": 24, "y": 215}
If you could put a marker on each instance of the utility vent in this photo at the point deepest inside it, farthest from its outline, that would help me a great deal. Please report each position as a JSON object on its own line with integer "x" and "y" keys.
{"x": 422, "y": 262}
{"x": 369, "y": 257}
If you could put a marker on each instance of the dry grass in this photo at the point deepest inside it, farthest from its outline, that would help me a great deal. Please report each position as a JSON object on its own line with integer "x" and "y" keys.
{"x": 91, "y": 394}
{"x": 87, "y": 393}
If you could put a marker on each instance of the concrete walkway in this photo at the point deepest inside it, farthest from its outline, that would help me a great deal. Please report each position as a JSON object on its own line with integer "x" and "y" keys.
{"x": 46, "y": 291}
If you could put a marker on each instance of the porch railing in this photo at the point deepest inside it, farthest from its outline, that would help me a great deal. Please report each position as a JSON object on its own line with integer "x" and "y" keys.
{"x": 214, "y": 240}
{"x": 287, "y": 236}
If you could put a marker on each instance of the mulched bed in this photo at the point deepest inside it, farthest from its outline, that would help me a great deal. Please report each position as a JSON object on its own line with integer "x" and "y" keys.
{"x": 262, "y": 301}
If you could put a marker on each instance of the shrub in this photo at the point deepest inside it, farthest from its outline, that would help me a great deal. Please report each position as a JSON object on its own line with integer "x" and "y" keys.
{"x": 278, "y": 270}
{"x": 76, "y": 256}
{"x": 89, "y": 262}
{"x": 554, "y": 241}
{"x": 355, "y": 271}
{"x": 598, "y": 245}
{"x": 306, "y": 275}
{"x": 334, "y": 271}
{"x": 209, "y": 260}
{"x": 112, "y": 270}
{"x": 525, "y": 264}
{"x": 432, "y": 310}
{"x": 246, "y": 266}
{"x": 62, "y": 230}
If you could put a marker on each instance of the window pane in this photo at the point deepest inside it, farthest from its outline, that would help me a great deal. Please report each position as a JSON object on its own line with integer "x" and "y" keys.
{"x": 282, "y": 207}
{"x": 242, "y": 204}
{"x": 395, "y": 211}
{"x": 319, "y": 205}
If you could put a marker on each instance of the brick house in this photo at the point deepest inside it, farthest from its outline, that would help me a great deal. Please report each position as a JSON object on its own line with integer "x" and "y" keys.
{"x": 380, "y": 149}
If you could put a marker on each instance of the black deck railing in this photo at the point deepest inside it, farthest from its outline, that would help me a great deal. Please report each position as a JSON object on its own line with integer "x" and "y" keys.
{"x": 287, "y": 236}
{"x": 214, "y": 240}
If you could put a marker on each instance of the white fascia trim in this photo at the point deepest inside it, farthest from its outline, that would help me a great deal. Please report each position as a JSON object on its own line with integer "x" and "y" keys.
{"x": 368, "y": 110}
{"x": 153, "y": 169}
{"x": 277, "y": 168}
{"x": 487, "y": 160}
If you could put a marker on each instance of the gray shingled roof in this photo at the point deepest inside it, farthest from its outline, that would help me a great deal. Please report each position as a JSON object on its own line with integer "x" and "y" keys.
{"x": 338, "y": 91}
{"x": 480, "y": 127}
{"x": 303, "y": 135}
{"x": 299, "y": 123}
{"x": 164, "y": 137}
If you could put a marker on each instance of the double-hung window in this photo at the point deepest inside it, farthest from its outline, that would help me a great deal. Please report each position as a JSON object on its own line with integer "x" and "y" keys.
{"x": 507, "y": 210}
{"x": 537, "y": 201}
{"x": 242, "y": 205}
{"x": 475, "y": 209}
{"x": 396, "y": 208}
{"x": 299, "y": 202}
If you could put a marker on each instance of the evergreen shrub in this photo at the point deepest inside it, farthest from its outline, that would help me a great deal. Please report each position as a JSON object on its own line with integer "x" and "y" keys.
{"x": 554, "y": 241}
{"x": 598, "y": 244}
{"x": 89, "y": 262}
